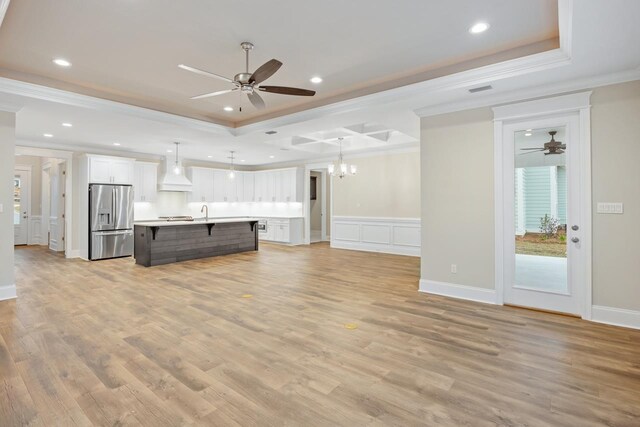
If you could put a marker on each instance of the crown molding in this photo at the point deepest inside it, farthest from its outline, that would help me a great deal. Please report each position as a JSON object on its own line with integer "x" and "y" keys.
{"x": 31, "y": 90}
{"x": 531, "y": 93}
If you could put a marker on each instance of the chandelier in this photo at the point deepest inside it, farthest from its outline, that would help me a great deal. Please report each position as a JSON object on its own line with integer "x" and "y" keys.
{"x": 341, "y": 169}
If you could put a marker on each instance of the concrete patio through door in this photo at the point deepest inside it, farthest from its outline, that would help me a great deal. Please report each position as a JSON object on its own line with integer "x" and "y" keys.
{"x": 542, "y": 273}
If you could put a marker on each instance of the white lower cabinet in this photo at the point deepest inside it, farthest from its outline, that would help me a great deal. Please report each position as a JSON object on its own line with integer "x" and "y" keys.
{"x": 283, "y": 230}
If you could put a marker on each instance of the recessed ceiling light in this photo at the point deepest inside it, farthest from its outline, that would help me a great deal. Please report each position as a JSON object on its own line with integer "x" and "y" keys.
{"x": 209, "y": 156}
{"x": 47, "y": 135}
{"x": 62, "y": 62}
{"x": 529, "y": 130}
{"x": 271, "y": 157}
{"x": 528, "y": 134}
{"x": 316, "y": 79}
{"x": 116, "y": 143}
{"x": 67, "y": 125}
{"x": 169, "y": 151}
{"x": 478, "y": 28}
{"x": 243, "y": 160}
{"x": 227, "y": 108}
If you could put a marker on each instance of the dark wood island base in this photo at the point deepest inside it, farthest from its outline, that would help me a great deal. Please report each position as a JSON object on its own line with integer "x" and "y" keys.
{"x": 158, "y": 243}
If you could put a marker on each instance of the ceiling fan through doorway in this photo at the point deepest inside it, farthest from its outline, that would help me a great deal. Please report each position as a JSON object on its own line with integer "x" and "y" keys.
{"x": 554, "y": 147}
{"x": 250, "y": 83}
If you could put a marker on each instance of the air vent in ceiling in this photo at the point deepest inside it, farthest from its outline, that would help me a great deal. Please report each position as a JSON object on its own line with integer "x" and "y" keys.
{"x": 480, "y": 89}
{"x": 271, "y": 132}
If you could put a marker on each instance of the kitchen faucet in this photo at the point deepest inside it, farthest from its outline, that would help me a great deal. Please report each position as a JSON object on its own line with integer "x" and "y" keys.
{"x": 206, "y": 209}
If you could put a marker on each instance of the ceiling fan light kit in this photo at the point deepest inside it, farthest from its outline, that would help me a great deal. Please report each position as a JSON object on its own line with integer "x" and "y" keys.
{"x": 249, "y": 83}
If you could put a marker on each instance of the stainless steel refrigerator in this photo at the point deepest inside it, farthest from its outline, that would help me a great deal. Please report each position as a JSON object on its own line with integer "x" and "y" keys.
{"x": 110, "y": 221}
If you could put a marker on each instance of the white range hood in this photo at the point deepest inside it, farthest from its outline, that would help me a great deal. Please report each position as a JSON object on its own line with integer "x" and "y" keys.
{"x": 172, "y": 181}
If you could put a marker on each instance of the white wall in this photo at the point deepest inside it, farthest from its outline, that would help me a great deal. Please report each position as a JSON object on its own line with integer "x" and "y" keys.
{"x": 456, "y": 157}
{"x": 615, "y": 136}
{"x": 387, "y": 185}
{"x": 7, "y": 151}
{"x": 458, "y": 208}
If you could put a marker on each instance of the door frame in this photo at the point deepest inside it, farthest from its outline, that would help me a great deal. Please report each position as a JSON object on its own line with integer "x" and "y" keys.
{"x": 27, "y": 223}
{"x": 68, "y": 199}
{"x": 558, "y": 108}
{"x": 321, "y": 167}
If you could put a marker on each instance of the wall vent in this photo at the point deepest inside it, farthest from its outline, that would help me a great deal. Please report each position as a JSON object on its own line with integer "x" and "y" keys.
{"x": 480, "y": 89}
{"x": 271, "y": 132}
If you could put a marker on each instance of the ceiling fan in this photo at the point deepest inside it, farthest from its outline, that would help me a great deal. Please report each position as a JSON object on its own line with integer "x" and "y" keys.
{"x": 249, "y": 83}
{"x": 554, "y": 147}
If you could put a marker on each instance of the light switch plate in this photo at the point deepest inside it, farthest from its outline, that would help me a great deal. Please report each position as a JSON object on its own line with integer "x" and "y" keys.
{"x": 610, "y": 208}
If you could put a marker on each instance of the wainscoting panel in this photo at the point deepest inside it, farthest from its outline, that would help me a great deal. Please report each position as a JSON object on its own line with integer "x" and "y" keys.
{"x": 53, "y": 233}
{"x": 35, "y": 230}
{"x": 389, "y": 235}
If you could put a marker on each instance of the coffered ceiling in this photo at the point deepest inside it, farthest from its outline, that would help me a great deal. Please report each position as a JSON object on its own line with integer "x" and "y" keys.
{"x": 128, "y": 51}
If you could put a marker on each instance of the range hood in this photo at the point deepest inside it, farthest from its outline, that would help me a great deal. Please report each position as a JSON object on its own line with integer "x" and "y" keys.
{"x": 172, "y": 181}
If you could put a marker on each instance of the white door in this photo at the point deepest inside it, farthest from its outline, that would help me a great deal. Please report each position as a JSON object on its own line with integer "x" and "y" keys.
{"x": 21, "y": 197}
{"x": 544, "y": 259}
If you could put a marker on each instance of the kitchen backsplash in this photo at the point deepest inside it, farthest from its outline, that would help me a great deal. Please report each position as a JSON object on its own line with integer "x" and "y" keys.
{"x": 175, "y": 203}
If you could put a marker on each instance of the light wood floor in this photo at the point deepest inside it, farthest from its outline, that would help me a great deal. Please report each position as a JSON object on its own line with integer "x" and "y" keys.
{"x": 112, "y": 343}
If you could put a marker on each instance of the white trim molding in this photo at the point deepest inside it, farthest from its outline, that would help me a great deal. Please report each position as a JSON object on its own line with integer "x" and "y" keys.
{"x": 572, "y": 111}
{"x": 470, "y": 293}
{"x": 8, "y": 292}
{"x": 616, "y": 316}
{"x": 400, "y": 236}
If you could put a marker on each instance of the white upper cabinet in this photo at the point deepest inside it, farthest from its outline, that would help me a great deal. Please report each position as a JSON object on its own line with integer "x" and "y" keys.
{"x": 110, "y": 170}
{"x": 145, "y": 185}
{"x": 248, "y": 186}
{"x": 202, "y": 180}
{"x": 214, "y": 185}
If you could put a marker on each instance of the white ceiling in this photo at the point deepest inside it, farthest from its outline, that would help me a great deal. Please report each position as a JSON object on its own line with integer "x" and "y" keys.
{"x": 129, "y": 50}
{"x": 600, "y": 47}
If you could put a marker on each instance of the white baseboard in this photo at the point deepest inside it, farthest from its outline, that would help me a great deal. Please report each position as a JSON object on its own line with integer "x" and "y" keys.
{"x": 615, "y": 316}
{"x": 471, "y": 293}
{"x": 7, "y": 292}
{"x": 374, "y": 247}
{"x": 74, "y": 253}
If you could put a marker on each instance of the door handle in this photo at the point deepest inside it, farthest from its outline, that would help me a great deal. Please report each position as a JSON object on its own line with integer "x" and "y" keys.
{"x": 575, "y": 239}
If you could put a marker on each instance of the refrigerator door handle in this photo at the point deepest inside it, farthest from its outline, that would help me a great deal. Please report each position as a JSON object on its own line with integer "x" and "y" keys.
{"x": 113, "y": 206}
{"x": 113, "y": 233}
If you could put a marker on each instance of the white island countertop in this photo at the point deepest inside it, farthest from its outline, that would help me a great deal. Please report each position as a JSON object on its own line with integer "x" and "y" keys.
{"x": 199, "y": 221}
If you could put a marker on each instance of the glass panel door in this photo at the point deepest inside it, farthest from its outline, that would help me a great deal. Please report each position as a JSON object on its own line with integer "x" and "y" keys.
{"x": 540, "y": 206}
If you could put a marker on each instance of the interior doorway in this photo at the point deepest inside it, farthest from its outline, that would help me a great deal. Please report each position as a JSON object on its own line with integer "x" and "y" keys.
{"x": 318, "y": 205}
{"x": 543, "y": 198}
{"x": 21, "y": 204}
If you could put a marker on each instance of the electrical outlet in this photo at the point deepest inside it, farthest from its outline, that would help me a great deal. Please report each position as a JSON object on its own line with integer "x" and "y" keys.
{"x": 454, "y": 268}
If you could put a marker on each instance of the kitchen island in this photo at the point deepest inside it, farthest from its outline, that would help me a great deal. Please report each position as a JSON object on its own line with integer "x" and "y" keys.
{"x": 163, "y": 242}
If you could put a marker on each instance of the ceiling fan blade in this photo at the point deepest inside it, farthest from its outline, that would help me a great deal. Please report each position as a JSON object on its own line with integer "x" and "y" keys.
{"x": 530, "y": 152}
{"x": 204, "y": 73}
{"x": 208, "y": 95}
{"x": 265, "y": 71}
{"x": 256, "y": 100}
{"x": 283, "y": 90}
{"x": 539, "y": 149}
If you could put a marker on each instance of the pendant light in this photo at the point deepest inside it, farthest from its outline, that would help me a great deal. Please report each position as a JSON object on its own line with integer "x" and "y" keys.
{"x": 341, "y": 169}
{"x": 232, "y": 172}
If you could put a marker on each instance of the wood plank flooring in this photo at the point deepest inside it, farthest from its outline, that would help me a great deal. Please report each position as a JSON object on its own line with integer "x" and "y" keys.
{"x": 259, "y": 338}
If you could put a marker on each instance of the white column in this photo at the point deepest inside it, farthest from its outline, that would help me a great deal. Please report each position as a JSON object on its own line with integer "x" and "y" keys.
{"x": 7, "y": 163}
